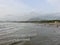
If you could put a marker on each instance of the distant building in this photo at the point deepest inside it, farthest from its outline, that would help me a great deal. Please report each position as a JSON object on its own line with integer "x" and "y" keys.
{"x": 56, "y": 22}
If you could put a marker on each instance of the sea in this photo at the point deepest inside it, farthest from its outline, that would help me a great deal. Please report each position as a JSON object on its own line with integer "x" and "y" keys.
{"x": 29, "y": 34}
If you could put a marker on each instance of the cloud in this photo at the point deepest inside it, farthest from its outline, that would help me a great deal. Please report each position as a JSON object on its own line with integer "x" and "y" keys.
{"x": 53, "y": 1}
{"x": 55, "y": 4}
{"x": 13, "y": 7}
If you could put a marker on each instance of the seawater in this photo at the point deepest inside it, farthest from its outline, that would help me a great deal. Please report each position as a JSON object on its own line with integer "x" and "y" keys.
{"x": 29, "y": 34}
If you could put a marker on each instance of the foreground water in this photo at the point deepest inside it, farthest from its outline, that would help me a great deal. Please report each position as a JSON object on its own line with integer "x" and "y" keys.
{"x": 29, "y": 34}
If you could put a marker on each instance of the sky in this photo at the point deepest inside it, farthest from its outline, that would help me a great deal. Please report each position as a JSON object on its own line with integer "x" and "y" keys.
{"x": 24, "y": 8}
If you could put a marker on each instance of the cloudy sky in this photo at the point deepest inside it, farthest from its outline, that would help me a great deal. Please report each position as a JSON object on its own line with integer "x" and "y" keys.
{"x": 23, "y": 8}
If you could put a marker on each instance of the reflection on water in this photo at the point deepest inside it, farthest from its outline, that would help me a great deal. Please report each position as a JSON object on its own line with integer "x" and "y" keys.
{"x": 29, "y": 34}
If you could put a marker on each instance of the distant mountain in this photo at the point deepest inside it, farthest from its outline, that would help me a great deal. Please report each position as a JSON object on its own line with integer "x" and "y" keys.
{"x": 46, "y": 17}
{"x": 31, "y": 17}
